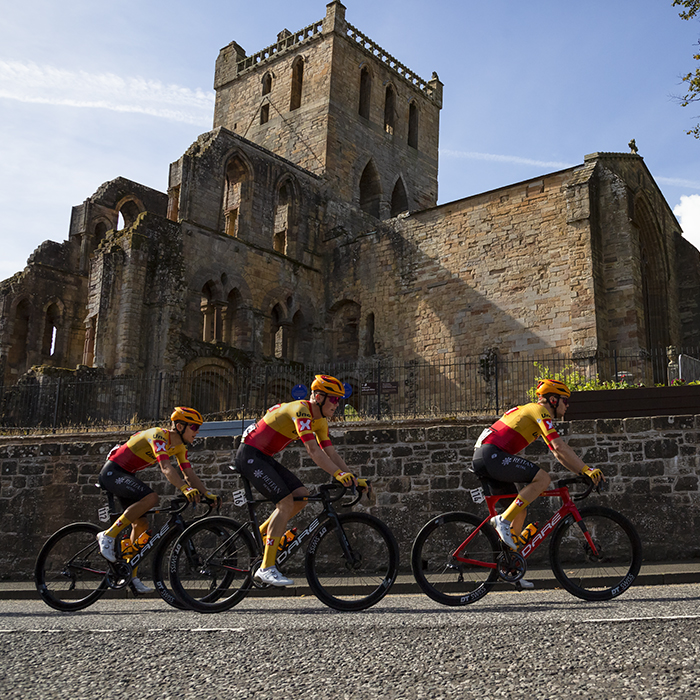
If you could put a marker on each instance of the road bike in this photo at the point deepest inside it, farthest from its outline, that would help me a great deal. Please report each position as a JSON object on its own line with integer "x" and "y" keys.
{"x": 351, "y": 559}
{"x": 71, "y": 574}
{"x": 595, "y": 553}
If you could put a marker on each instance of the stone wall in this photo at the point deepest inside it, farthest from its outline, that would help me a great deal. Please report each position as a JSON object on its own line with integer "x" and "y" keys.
{"x": 419, "y": 469}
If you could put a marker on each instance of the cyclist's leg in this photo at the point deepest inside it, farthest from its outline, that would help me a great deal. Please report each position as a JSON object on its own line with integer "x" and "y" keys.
{"x": 136, "y": 499}
{"x": 279, "y": 485}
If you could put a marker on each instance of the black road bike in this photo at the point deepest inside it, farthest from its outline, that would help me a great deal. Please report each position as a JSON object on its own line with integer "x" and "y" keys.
{"x": 351, "y": 560}
{"x": 71, "y": 574}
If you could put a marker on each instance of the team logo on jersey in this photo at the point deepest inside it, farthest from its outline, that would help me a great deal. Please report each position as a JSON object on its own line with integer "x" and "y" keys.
{"x": 304, "y": 425}
{"x": 160, "y": 445}
{"x": 549, "y": 424}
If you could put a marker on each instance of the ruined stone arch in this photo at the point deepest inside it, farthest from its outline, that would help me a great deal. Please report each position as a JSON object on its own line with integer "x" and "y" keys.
{"x": 128, "y": 209}
{"x": 238, "y": 194}
{"x": 297, "y": 87}
{"x": 51, "y": 340}
{"x": 344, "y": 323}
{"x": 370, "y": 187}
{"x": 267, "y": 83}
{"x": 365, "y": 95}
{"x": 390, "y": 109}
{"x": 399, "y": 198}
{"x": 209, "y": 385}
{"x": 413, "y": 125}
{"x": 285, "y": 209}
{"x": 22, "y": 322}
{"x": 212, "y": 309}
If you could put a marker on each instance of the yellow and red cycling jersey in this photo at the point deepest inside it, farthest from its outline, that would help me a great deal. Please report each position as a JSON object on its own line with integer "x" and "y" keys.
{"x": 520, "y": 426}
{"x": 147, "y": 447}
{"x": 284, "y": 423}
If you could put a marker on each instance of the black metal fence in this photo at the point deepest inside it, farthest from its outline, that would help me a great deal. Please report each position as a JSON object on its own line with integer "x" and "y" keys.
{"x": 377, "y": 390}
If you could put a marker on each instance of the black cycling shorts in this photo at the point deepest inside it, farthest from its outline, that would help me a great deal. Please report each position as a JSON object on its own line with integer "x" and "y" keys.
{"x": 265, "y": 473}
{"x": 501, "y": 470}
{"x": 123, "y": 484}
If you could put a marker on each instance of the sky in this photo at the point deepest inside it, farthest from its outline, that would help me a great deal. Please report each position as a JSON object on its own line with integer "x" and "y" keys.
{"x": 90, "y": 91}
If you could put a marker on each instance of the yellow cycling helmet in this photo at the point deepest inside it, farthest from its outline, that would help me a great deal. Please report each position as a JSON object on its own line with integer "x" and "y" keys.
{"x": 552, "y": 386}
{"x": 328, "y": 385}
{"x": 182, "y": 414}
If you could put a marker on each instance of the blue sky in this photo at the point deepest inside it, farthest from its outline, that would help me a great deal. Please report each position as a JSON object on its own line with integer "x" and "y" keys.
{"x": 90, "y": 91}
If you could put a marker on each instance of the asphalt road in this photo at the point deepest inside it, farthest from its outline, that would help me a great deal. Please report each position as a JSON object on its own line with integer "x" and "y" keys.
{"x": 534, "y": 644}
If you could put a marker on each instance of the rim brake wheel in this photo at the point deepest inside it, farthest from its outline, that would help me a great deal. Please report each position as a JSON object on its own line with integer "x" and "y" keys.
{"x": 211, "y": 564}
{"x": 70, "y": 573}
{"x": 440, "y": 575}
{"x": 602, "y": 575}
{"x": 356, "y": 585}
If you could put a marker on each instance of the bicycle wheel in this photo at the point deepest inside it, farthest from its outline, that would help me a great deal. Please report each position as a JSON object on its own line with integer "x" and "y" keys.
{"x": 211, "y": 566}
{"x": 161, "y": 560}
{"x": 439, "y": 564}
{"x": 70, "y": 573}
{"x": 607, "y": 573}
{"x": 352, "y": 585}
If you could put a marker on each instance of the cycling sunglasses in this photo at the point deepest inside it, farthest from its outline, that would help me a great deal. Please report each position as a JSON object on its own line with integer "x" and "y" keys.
{"x": 333, "y": 399}
{"x": 193, "y": 427}
{"x": 565, "y": 400}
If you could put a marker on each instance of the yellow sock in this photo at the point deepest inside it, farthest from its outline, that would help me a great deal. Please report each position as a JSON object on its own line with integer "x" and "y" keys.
{"x": 271, "y": 545}
{"x": 517, "y": 506}
{"x": 264, "y": 526}
{"x": 119, "y": 524}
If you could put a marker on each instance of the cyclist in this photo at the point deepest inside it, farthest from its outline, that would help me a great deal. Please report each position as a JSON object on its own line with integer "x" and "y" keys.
{"x": 305, "y": 420}
{"x": 142, "y": 450}
{"x": 496, "y": 449}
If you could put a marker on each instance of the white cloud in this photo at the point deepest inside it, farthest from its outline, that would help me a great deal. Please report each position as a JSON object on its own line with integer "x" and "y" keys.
{"x": 472, "y": 155}
{"x": 29, "y": 82}
{"x": 688, "y": 213}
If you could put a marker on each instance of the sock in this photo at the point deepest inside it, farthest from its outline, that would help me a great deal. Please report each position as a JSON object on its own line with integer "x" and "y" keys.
{"x": 517, "y": 506}
{"x": 119, "y": 524}
{"x": 264, "y": 526}
{"x": 271, "y": 545}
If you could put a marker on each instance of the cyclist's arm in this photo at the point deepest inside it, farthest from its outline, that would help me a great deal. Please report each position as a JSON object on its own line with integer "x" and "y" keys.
{"x": 193, "y": 480}
{"x": 322, "y": 457}
{"x": 566, "y": 456}
{"x": 173, "y": 475}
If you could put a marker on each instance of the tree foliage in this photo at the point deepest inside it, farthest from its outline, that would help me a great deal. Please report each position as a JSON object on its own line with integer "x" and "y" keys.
{"x": 692, "y": 79}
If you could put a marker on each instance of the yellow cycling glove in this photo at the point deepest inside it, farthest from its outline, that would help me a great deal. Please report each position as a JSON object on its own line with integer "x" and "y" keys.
{"x": 345, "y": 478}
{"x": 595, "y": 474}
{"x": 189, "y": 492}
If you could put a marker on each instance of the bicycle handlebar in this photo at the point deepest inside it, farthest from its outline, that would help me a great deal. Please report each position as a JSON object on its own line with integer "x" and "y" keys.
{"x": 562, "y": 483}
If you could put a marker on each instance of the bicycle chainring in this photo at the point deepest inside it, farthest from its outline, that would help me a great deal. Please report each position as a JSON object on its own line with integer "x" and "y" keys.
{"x": 119, "y": 575}
{"x": 511, "y": 566}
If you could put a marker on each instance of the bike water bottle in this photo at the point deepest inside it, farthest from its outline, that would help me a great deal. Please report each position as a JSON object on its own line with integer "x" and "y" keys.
{"x": 287, "y": 539}
{"x": 127, "y": 548}
{"x": 528, "y": 533}
{"x": 141, "y": 541}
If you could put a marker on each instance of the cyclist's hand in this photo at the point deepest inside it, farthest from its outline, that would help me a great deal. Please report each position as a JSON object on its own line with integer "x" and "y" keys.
{"x": 368, "y": 497}
{"x": 345, "y": 478}
{"x": 213, "y": 497}
{"x": 363, "y": 484}
{"x": 595, "y": 474}
{"x": 190, "y": 493}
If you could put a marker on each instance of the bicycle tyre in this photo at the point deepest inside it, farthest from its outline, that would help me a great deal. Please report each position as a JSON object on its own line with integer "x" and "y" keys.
{"x": 211, "y": 567}
{"x": 346, "y": 587}
{"x": 70, "y": 573}
{"x": 435, "y": 569}
{"x": 612, "y": 571}
{"x": 160, "y": 572}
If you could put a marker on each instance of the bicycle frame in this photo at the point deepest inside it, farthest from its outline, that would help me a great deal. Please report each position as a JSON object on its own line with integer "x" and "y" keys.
{"x": 245, "y": 496}
{"x": 567, "y": 508}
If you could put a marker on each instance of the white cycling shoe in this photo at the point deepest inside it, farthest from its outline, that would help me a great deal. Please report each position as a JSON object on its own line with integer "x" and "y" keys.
{"x": 106, "y": 544}
{"x": 524, "y": 584}
{"x": 140, "y": 586}
{"x": 502, "y": 528}
{"x": 272, "y": 576}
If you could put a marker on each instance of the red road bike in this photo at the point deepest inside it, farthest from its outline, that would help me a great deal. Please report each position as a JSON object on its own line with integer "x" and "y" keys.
{"x": 595, "y": 553}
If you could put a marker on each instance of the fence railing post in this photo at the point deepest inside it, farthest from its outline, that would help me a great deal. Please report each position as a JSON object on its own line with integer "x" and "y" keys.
{"x": 379, "y": 390}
